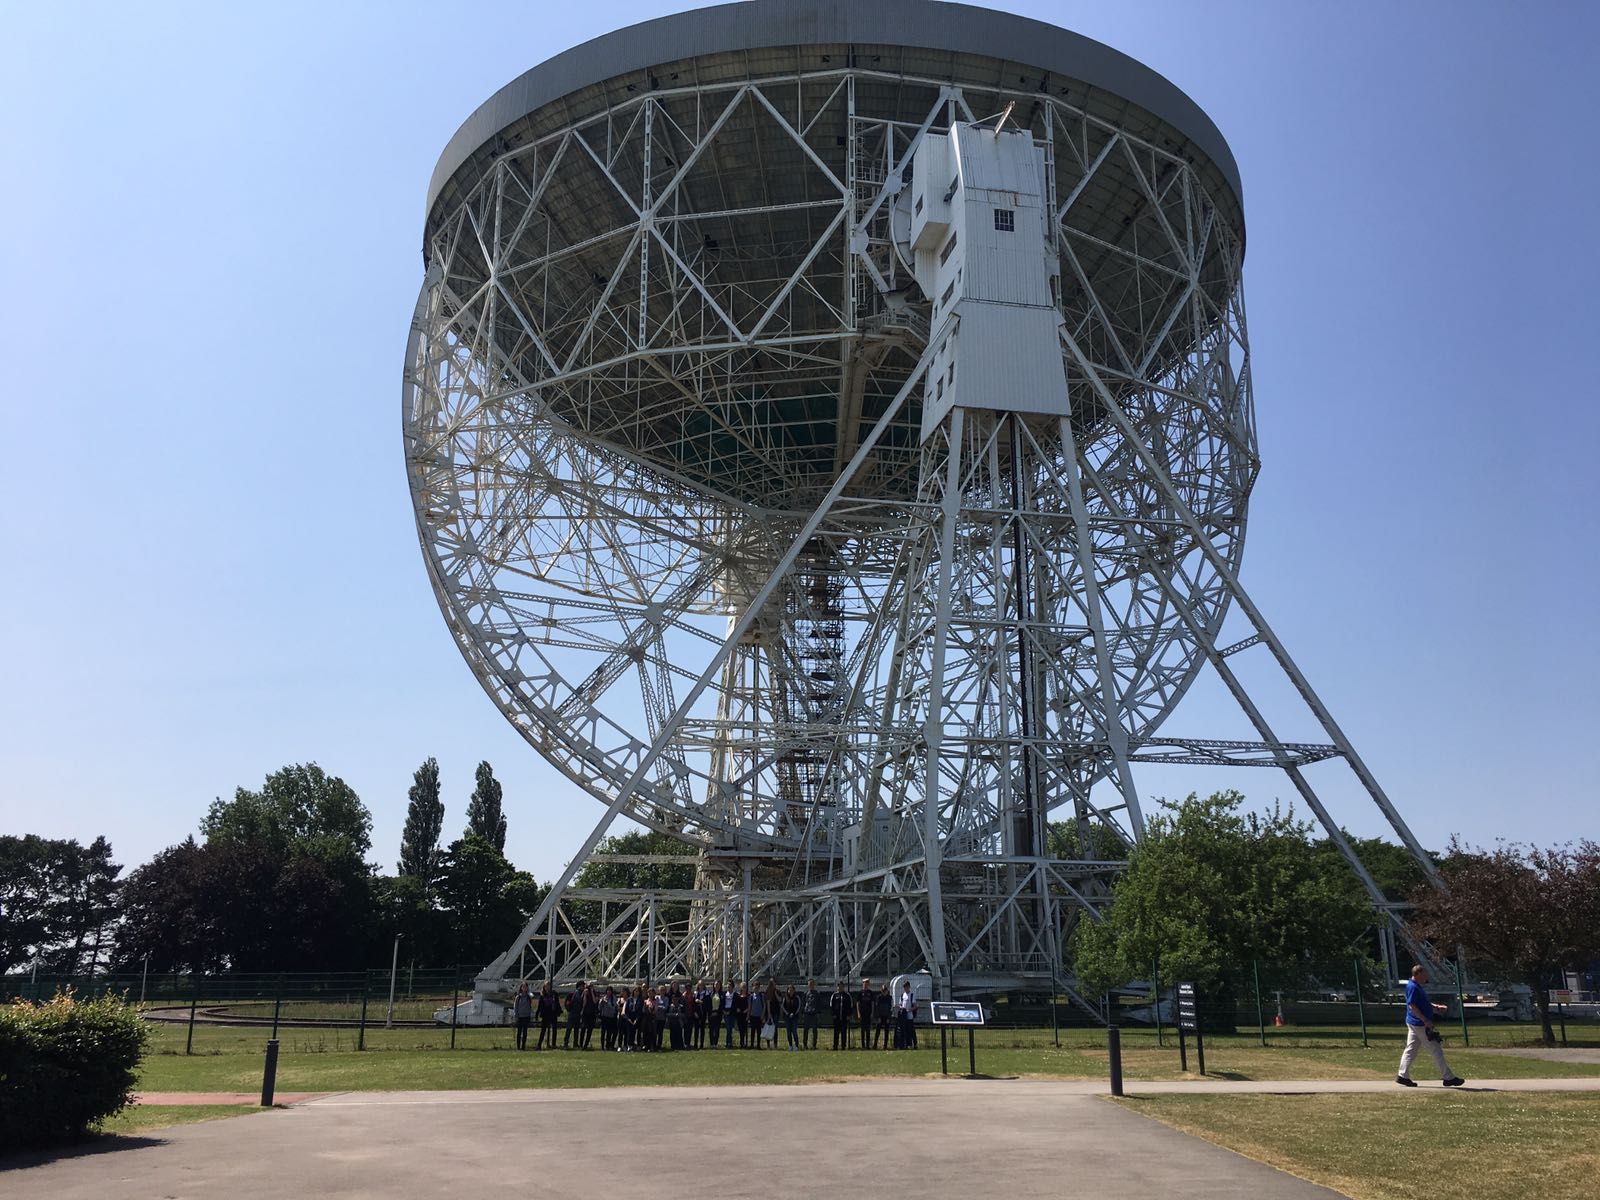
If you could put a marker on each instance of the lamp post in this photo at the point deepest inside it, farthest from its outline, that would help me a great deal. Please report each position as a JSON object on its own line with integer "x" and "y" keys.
{"x": 394, "y": 963}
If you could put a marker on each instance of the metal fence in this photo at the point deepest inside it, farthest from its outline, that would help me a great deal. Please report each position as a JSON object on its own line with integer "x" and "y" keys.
{"x": 400, "y": 1010}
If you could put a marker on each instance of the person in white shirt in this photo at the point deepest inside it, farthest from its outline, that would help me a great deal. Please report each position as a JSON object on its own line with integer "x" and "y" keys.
{"x": 906, "y": 1012}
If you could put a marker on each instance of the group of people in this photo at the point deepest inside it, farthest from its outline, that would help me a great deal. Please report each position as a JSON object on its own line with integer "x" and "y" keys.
{"x": 682, "y": 1016}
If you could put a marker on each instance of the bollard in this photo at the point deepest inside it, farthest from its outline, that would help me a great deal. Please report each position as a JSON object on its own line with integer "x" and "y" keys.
{"x": 1361, "y": 1004}
{"x": 269, "y": 1076}
{"x": 1114, "y": 1049}
{"x": 194, "y": 1002}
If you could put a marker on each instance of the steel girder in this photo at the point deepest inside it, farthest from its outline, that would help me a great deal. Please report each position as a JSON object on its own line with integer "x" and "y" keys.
{"x": 664, "y": 376}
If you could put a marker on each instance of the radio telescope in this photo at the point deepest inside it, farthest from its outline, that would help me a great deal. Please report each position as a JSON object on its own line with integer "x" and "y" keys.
{"x": 830, "y": 433}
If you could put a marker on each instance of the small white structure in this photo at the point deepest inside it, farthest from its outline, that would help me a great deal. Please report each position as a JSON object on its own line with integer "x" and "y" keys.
{"x": 478, "y": 1010}
{"x": 921, "y": 988}
{"x": 984, "y": 255}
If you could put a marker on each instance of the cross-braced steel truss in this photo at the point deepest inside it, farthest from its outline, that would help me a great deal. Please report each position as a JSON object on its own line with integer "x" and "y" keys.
{"x": 663, "y": 434}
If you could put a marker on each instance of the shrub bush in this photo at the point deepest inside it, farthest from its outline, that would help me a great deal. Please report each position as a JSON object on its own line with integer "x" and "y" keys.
{"x": 65, "y": 1065}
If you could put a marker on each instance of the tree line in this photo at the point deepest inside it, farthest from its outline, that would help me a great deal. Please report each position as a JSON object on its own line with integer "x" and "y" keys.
{"x": 1219, "y": 896}
{"x": 277, "y": 879}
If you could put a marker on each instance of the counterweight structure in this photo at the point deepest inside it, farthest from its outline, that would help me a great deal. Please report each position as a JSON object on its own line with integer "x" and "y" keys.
{"x": 830, "y": 434}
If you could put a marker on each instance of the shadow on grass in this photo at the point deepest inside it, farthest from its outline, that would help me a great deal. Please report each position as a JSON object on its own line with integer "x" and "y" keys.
{"x": 94, "y": 1143}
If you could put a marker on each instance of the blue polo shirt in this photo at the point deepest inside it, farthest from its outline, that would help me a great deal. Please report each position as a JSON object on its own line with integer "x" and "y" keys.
{"x": 1417, "y": 995}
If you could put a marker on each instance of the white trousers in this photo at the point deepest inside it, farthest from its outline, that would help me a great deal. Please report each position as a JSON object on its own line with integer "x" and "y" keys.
{"x": 1416, "y": 1037}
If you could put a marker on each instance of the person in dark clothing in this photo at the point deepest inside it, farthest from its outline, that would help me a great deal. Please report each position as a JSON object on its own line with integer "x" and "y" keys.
{"x": 790, "y": 1007}
{"x": 757, "y": 1017}
{"x": 741, "y": 1013}
{"x": 839, "y": 1005}
{"x": 632, "y": 1020}
{"x": 730, "y": 1019}
{"x": 691, "y": 1016}
{"x": 810, "y": 1014}
{"x": 694, "y": 1016}
{"x": 590, "y": 1014}
{"x": 675, "y": 1019}
{"x": 866, "y": 1003}
{"x": 663, "y": 1003}
{"x": 883, "y": 1014}
{"x": 608, "y": 1020}
{"x": 549, "y": 1014}
{"x": 714, "y": 1014}
{"x": 772, "y": 1005}
{"x": 572, "y": 1002}
{"x": 522, "y": 1008}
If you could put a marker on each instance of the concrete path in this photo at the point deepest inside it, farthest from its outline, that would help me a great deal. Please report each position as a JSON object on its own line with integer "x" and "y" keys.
{"x": 156, "y": 1099}
{"x": 1298, "y": 1087}
{"x": 930, "y": 1138}
{"x": 1569, "y": 1054}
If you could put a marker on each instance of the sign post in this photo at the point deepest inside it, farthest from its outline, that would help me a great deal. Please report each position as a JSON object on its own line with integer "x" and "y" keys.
{"x": 958, "y": 1014}
{"x": 1189, "y": 1021}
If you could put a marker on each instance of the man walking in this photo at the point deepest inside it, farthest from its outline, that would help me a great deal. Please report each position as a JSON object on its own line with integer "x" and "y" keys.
{"x": 1420, "y": 1032}
{"x": 839, "y": 1005}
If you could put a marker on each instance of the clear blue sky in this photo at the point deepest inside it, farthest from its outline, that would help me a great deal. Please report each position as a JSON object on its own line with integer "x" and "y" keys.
{"x": 209, "y": 252}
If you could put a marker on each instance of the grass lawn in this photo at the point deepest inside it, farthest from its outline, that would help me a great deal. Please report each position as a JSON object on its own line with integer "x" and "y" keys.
{"x": 228, "y": 1058}
{"x": 1398, "y": 1147}
{"x": 139, "y": 1118}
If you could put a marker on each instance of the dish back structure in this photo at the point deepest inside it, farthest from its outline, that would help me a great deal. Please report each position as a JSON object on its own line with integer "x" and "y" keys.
{"x": 830, "y": 434}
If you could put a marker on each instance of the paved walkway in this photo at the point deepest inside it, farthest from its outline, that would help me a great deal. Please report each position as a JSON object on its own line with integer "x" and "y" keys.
{"x": 1568, "y": 1054}
{"x": 932, "y": 1138}
{"x": 1061, "y": 1087}
{"x": 171, "y": 1098}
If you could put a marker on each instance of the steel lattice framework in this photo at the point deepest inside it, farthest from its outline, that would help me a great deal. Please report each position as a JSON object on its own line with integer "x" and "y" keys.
{"x": 663, "y": 409}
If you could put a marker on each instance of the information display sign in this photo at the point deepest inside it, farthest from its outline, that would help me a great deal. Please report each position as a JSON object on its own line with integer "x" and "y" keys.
{"x": 1188, "y": 1014}
{"x": 956, "y": 1012}
{"x": 1189, "y": 1022}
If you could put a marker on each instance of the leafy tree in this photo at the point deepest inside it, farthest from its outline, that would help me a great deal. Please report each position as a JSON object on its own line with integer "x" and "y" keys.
{"x": 28, "y": 886}
{"x": 1212, "y": 889}
{"x": 279, "y": 884}
{"x": 403, "y": 905}
{"x": 85, "y": 911}
{"x": 484, "y": 897}
{"x": 678, "y": 875}
{"x": 1077, "y": 838}
{"x": 484, "y": 815}
{"x": 654, "y": 876}
{"x": 58, "y": 902}
{"x": 419, "y": 844}
{"x": 299, "y": 809}
{"x": 1529, "y": 910}
{"x": 166, "y": 913}
{"x": 1393, "y": 868}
